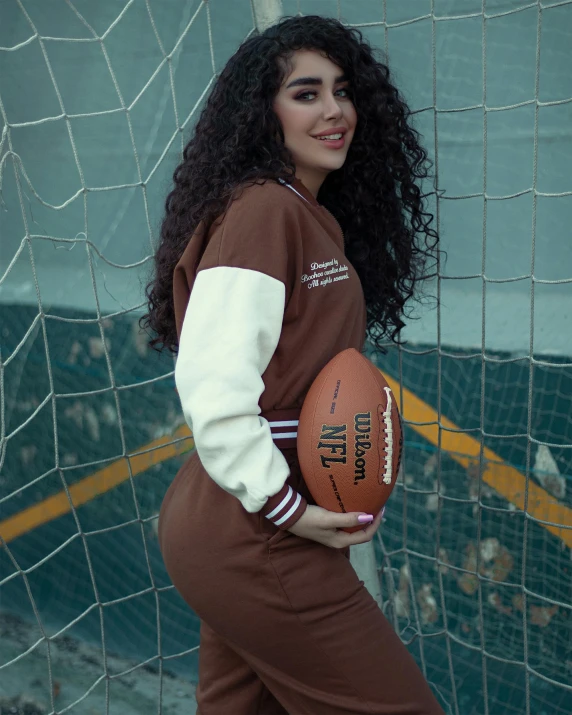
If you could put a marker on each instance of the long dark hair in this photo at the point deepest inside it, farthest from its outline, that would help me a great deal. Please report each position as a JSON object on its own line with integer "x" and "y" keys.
{"x": 375, "y": 196}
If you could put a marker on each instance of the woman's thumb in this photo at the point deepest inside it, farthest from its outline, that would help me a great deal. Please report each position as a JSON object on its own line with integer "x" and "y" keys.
{"x": 353, "y": 521}
{"x": 356, "y": 518}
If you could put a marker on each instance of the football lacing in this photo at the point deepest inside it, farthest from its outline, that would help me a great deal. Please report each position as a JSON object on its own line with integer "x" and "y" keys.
{"x": 388, "y": 431}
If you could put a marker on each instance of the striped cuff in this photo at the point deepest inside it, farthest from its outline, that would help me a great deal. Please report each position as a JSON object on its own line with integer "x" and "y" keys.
{"x": 285, "y": 508}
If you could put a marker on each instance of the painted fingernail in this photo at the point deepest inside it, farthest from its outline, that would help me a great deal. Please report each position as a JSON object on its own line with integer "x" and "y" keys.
{"x": 363, "y": 518}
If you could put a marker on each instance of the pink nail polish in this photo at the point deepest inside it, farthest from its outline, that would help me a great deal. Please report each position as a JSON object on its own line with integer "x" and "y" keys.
{"x": 363, "y": 518}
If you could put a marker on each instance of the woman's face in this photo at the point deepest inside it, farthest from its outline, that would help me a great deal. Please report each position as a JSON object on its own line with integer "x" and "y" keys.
{"x": 314, "y": 98}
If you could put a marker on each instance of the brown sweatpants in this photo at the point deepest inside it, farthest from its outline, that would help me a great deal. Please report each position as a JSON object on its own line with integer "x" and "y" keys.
{"x": 287, "y": 628}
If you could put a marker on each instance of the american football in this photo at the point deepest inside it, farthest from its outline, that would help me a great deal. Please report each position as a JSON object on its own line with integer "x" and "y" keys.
{"x": 350, "y": 437}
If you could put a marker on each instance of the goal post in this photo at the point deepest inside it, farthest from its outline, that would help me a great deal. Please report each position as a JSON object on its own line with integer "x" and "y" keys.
{"x": 362, "y": 556}
{"x": 266, "y": 13}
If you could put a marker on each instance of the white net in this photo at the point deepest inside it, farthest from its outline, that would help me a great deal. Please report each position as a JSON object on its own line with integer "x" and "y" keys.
{"x": 96, "y": 103}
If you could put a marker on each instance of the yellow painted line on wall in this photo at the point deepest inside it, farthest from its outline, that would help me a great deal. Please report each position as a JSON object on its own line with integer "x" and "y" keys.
{"x": 96, "y": 484}
{"x": 504, "y": 479}
{"x": 463, "y": 448}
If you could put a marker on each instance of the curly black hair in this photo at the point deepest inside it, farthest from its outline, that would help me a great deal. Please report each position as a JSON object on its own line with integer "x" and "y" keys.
{"x": 375, "y": 196}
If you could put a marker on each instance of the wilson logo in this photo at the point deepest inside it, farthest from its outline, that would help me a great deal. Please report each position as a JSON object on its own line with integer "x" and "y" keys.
{"x": 362, "y": 427}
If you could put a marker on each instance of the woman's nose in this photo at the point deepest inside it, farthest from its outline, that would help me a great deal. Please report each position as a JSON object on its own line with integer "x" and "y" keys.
{"x": 332, "y": 108}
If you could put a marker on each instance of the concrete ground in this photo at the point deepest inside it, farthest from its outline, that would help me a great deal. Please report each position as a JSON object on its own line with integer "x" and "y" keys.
{"x": 76, "y": 667}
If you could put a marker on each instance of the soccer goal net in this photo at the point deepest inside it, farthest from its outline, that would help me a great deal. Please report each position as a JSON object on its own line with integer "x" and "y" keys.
{"x": 97, "y": 100}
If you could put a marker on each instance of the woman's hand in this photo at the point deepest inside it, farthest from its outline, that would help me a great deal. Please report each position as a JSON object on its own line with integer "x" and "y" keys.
{"x": 324, "y": 527}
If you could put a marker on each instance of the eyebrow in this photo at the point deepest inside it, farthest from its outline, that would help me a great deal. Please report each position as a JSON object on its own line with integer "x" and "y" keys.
{"x": 314, "y": 80}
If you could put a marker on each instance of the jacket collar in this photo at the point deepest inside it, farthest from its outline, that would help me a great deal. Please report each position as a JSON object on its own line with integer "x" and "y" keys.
{"x": 304, "y": 192}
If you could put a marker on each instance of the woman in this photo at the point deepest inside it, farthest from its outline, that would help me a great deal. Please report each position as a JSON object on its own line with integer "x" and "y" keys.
{"x": 266, "y": 208}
